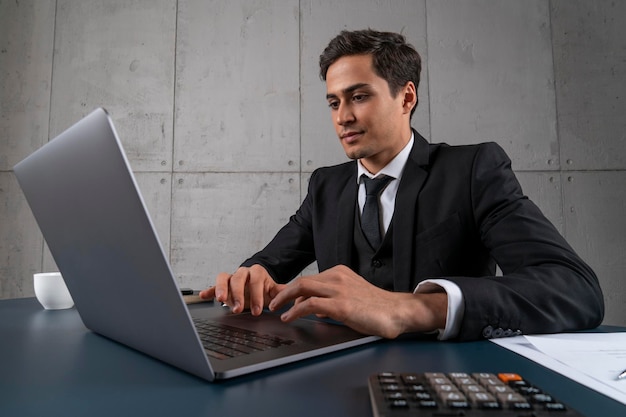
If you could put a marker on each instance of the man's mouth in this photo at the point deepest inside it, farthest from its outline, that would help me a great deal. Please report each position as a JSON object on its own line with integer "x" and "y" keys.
{"x": 350, "y": 137}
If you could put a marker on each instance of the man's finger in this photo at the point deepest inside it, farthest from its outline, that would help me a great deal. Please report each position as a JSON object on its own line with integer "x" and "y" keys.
{"x": 302, "y": 287}
{"x": 311, "y": 305}
{"x": 207, "y": 294}
{"x": 221, "y": 287}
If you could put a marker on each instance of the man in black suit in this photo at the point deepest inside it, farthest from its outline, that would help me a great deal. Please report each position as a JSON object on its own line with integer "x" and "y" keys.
{"x": 448, "y": 215}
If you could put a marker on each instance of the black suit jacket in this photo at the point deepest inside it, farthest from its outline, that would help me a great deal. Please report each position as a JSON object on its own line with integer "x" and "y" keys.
{"x": 459, "y": 211}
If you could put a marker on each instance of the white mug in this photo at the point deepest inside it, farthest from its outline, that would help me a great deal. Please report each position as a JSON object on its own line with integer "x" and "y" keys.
{"x": 51, "y": 291}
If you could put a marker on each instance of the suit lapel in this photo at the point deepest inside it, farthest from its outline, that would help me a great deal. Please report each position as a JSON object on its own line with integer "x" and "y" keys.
{"x": 345, "y": 219}
{"x": 405, "y": 215}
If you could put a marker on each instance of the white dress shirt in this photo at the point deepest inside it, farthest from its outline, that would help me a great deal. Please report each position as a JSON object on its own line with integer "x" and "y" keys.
{"x": 395, "y": 169}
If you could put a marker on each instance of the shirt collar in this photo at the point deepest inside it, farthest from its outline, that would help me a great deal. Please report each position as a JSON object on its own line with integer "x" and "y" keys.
{"x": 393, "y": 169}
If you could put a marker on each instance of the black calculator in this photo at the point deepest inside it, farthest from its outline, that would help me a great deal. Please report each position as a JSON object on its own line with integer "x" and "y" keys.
{"x": 461, "y": 394}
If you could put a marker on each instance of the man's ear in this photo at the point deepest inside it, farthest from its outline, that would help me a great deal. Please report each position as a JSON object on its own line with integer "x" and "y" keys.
{"x": 410, "y": 96}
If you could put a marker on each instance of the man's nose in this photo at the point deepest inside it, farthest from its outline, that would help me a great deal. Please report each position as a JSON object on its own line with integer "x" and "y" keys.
{"x": 344, "y": 115}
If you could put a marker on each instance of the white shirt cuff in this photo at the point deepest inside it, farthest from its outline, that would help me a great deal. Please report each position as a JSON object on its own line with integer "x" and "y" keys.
{"x": 456, "y": 306}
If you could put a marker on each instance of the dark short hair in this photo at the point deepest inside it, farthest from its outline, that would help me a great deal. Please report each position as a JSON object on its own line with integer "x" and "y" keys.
{"x": 393, "y": 58}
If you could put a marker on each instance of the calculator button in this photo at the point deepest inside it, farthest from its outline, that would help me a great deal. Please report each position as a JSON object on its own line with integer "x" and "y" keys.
{"x": 416, "y": 388}
{"x": 483, "y": 375}
{"x": 458, "y": 405}
{"x": 541, "y": 398}
{"x": 480, "y": 399}
{"x": 424, "y": 395}
{"x": 390, "y": 387}
{"x": 445, "y": 388}
{"x": 508, "y": 377}
{"x": 520, "y": 406}
{"x": 491, "y": 382}
{"x": 529, "y": 390}
{"x": 452, "y": 399}
{"x": 555, "y": 407}
{"x": 429, "y": 375}
{"x": 494, "y": 405}
{"x": 439, "y": 381}
{"x": 500, "y": 389}
{"x": 464, "y": 381}
{"x": 468, "y": 389}
{"x": 399, "y": 404}
{"x": 395, "y": 396}
{"x": 427, "y": 404}
{"x": 510, "y": 399}
{"x": 410, "y": 378}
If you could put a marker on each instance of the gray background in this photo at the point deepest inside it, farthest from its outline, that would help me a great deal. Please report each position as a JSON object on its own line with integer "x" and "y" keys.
{"x": 223, "y": 116}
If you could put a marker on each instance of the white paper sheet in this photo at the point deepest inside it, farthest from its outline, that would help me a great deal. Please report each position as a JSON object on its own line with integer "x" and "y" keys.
{"x": 591, "y": 359}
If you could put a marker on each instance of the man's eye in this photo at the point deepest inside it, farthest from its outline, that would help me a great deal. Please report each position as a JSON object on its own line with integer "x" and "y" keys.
{"x": 333, "y": 105}
{"x": 359, "y": 97}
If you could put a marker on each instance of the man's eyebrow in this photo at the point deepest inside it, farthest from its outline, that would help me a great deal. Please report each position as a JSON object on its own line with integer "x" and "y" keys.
{"x": 348, "y": 90}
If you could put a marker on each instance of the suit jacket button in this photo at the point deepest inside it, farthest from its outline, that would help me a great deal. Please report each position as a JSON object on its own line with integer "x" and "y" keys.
{"x": 498, "y": 332}
{"x": 376, "y": 263}
{"x": 487, "y": 331}
{"x": 507, "y": 333}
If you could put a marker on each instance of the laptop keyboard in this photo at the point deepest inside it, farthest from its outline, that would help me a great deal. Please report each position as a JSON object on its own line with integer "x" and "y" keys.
{"x": 222, "y": 342}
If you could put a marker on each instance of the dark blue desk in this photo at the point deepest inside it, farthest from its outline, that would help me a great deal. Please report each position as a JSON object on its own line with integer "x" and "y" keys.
{"x": 51, "y": 365}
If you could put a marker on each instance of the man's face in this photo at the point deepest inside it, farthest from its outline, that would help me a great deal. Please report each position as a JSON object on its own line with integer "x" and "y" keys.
{"x": 371, "y": 124}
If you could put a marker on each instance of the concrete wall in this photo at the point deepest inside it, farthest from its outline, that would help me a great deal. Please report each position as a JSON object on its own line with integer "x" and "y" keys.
{"x": 223, "y": 115}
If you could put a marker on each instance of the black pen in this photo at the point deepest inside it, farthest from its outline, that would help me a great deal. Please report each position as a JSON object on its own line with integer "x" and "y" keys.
{"x": 622, "y": 375}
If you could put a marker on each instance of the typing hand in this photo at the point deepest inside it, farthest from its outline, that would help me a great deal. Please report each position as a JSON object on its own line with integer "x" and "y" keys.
{"x": 343, "y": 295}
{"x": 250, "y": 288}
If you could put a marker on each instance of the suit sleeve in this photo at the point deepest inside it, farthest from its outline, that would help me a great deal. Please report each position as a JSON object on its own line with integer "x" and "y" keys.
{"x": 546, "y": 287}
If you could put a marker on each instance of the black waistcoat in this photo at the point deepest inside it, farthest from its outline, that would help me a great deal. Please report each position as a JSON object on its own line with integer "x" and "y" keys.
{"x": 375, "y": 265}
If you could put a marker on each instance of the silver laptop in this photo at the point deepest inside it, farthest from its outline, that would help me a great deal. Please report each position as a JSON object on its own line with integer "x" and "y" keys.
{"x": 86, "y": 201}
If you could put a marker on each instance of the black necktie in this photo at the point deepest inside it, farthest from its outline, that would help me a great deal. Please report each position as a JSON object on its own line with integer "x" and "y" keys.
{"x": 370, "y": 218}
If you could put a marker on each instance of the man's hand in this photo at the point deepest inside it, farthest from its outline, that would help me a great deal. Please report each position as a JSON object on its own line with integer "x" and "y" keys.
{"x": 250, "y": 288}
{"x": 341, "y": 294}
